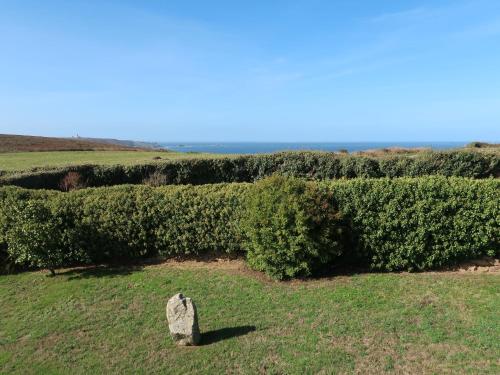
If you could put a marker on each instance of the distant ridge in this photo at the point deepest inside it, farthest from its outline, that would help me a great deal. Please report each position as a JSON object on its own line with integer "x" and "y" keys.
{"x": 24, "y": 143}
{"x": 127, "y": 143}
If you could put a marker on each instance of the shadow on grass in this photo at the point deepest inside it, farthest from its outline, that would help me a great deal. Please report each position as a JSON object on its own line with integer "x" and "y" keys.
{"x": 331, "y": 273}
{"x": 99, "y": 271}
{"x": 211, "y": 337}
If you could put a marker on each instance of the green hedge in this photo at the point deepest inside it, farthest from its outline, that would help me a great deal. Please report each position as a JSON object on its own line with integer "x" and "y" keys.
{"x": 395, "y": 224}
{"x": 420, "y": 223}
{"x": 129, "y": 222}
{"x": 310, "y": 165}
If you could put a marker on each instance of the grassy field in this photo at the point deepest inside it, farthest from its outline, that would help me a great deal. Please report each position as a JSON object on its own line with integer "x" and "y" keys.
{"x": 113, "y": 321}
{"x": 20, "y": 153}
{"x": 18, "y": 161}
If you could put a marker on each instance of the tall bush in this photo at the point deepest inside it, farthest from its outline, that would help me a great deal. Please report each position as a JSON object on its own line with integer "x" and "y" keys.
{"x": 291, "y": 227}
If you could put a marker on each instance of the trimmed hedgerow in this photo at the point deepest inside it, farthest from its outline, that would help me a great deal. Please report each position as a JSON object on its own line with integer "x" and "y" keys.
{"x": 292, "y": 227}
{"x": 310, "y": 165}
{"x": 420, "y": 223}
{"x": 140, "y": 221}
{"x": 395, "y": 224}
{"x": 122, "y": 222}
{"x": 458, "y": 164}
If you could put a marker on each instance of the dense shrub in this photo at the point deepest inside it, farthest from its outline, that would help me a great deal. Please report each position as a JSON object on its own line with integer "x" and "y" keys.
{"x": 310, "y": 165}
{"x": 37, "y": 238}
{"x": 291, "y": 227}
{"x": 10, "y": 198}
{"x": 395, "y": 224}
{"x": 125, "y": 222}
{"x": 420, "y": 223}
{"x": 140, "y": 221}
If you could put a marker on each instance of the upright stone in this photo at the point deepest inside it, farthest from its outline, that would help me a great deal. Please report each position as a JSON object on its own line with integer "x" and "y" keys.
{"x": 183, "y": 320}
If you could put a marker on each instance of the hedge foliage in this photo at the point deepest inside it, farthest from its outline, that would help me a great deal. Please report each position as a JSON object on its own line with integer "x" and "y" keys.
{"x": 292, "y": 227}
{"x": 125, "y": 222}
{"x": 310, "y": 165}
{"x": 395, "y": 224}
{"x": 40, "y": 239}
{"x": 420, "y": 223}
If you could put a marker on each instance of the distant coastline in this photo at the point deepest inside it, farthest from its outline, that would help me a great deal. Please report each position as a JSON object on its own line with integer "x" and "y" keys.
{"x": 265, "y": 147}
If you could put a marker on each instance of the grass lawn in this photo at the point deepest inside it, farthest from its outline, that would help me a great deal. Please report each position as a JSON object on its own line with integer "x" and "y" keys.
{"x": 112, "y": 320}
{"x": 19, "y": 161}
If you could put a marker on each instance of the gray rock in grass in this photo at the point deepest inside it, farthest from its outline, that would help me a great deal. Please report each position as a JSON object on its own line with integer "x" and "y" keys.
{"x": 183, "y": 320}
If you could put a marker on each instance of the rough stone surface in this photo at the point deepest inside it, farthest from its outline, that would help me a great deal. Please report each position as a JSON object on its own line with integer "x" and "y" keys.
{"x": 183, "y": 320}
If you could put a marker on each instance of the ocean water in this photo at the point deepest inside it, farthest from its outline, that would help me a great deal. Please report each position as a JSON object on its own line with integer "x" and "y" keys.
{"x": 266, "y": 147}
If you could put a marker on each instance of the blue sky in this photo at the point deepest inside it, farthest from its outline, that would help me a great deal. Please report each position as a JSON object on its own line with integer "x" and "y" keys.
{"x": 252, "y": 70}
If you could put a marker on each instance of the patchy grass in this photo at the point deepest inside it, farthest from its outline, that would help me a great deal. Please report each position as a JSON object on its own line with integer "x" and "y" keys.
{"x": 112, "y": 320}
{"x": 21, "y": 161}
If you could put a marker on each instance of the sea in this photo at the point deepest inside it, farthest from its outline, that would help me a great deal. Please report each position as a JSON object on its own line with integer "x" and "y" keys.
{"x": 267, "y": 147}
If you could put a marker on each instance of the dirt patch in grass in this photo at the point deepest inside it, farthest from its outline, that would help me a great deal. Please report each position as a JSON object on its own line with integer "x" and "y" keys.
{"x": 232, "y": 266}
{"x": 238, "y": 266}
{"x": 214, "y": 263}
{"x": 480, "y": 265}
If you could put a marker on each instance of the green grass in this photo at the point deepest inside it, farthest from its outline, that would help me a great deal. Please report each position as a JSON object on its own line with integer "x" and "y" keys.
{"x": 113, "y": 321}
{"x": 20, "y": 161}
